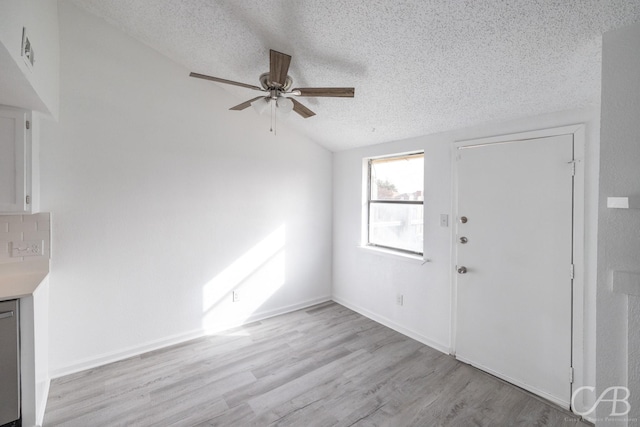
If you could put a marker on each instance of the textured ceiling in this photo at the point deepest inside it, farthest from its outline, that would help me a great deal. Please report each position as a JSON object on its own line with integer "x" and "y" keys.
{"x": 418, "y": 66}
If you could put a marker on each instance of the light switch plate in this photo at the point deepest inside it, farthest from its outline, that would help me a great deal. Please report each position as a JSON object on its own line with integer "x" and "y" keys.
{"x": 27, "y": 248}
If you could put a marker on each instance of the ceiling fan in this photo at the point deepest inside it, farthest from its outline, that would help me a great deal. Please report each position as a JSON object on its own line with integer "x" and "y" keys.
{"x": 277, "y": 86}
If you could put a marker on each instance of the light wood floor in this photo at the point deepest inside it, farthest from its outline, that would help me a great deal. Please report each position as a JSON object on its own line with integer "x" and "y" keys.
{"x": 323, "y": 366}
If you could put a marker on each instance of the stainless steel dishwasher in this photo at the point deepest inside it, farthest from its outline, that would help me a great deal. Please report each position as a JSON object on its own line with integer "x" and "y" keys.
{"x": 9, "y": 364}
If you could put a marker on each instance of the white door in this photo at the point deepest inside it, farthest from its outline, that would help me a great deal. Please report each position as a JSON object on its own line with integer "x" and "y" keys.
{"x": 513, "y": 313}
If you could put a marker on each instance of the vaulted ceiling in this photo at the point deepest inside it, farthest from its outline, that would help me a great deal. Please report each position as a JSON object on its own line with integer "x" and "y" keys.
{"x": 418, "y": 66}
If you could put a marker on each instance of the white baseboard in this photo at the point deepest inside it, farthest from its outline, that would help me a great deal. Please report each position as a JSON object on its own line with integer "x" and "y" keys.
{"x": 393, "y": 325}
{"x": 255, "y": 317}
{"x": 115, "y": 356}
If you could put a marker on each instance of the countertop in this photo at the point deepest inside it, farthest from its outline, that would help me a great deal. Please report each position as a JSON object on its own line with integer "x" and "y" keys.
{"x": 21, "y": 279}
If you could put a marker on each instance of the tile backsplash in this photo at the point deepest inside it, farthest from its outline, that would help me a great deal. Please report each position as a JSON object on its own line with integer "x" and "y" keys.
{"x": 15, "y": 229}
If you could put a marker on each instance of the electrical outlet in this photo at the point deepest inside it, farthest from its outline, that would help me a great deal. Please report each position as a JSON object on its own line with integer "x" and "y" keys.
{"x": 27, "y": 248}
{"x": 400, "y": 299}
{"x": 235, "y": 295}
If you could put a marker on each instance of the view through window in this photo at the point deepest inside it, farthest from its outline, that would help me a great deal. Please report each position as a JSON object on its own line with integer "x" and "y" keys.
{"x": 396, "y": 203}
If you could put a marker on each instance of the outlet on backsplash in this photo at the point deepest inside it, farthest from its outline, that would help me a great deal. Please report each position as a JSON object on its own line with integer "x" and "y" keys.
{"x": 24, "y": 237}
{"x": 27, "y": 248}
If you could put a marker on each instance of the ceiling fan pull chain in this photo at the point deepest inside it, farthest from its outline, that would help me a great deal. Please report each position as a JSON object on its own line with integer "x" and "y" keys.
{"x": 271, "y": 117}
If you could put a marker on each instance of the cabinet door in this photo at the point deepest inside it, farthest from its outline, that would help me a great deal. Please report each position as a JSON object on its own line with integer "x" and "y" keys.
{"x": 13, "y": 161}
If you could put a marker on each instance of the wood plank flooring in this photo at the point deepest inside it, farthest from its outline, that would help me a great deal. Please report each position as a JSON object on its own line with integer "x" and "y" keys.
{"x": 322, "y": 366}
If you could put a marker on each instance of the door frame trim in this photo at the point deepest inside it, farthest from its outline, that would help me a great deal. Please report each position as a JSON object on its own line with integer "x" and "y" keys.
{"x": 578, "y": 289}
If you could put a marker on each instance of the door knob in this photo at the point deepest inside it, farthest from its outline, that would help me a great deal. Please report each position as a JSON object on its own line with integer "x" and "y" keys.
{"x": 462, "y": 270}
{"x": 463, "y": 240}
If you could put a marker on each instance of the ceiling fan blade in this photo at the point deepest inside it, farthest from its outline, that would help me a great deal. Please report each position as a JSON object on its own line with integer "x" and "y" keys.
{"x": 278, "y": 66}
{"x": 339, "y": 92}
{"x": 245, "y": 104}
{"x": 301, "y": 109}
{"x": 225, "y": 81}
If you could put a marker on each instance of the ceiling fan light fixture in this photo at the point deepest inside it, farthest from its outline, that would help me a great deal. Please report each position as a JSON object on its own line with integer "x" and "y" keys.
{"x": 260, "y": 105}
{"x": 284, "y": 104}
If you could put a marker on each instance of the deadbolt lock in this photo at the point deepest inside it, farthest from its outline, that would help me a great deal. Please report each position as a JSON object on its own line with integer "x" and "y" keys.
{"x": 463, "y": 219}
{"x": 462, "y": 270}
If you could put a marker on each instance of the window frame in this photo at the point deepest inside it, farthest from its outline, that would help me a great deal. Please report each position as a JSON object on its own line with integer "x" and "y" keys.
{"x": 369, "y": 201}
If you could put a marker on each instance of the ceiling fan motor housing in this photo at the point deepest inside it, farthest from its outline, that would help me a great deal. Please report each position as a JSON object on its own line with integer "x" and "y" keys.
{"x": 267, "y": 84}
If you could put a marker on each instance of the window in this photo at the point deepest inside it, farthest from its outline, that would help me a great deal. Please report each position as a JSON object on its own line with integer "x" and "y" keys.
{"x": 395, "y": 203}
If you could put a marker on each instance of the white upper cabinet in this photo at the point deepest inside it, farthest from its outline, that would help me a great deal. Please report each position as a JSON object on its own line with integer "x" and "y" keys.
{"x": 29, "y": 71}
{"x": 15, "y": 161}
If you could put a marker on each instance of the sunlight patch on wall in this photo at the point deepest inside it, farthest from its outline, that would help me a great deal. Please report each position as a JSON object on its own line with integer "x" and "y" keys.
{"x": 254, "y": 277}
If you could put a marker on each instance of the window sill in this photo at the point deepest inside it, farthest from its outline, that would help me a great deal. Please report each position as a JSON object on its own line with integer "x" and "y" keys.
{"x": 388, "y": 253}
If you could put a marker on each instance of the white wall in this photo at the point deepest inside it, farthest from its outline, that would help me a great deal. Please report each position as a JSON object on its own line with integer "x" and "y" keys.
{"x": 36, "y": 88}
{"x": 163, "y": 201}
{"x": 368, "y": 282}
{"x": 619, "y": 230}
